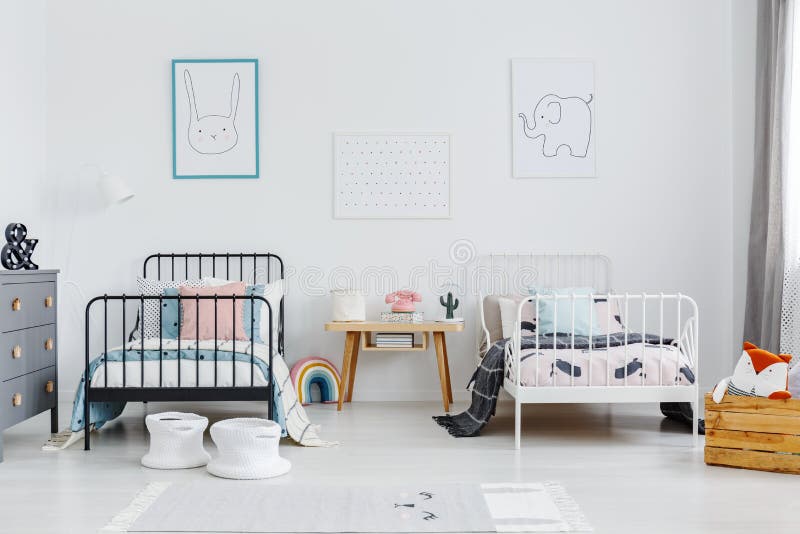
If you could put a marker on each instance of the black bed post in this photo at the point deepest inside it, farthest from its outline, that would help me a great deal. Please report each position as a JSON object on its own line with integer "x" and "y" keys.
{"x": 86, "y": 378}
{"x": 271, "y": 378}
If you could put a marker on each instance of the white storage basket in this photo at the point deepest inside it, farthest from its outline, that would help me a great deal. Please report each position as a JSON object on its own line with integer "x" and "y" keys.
{"x": 176, "y": 441}
{"x": 248, "y": 449}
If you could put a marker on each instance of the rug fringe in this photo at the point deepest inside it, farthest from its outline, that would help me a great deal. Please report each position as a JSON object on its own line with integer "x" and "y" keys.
{"x": 125, "y": 519}
{"x": 569, "y": 509}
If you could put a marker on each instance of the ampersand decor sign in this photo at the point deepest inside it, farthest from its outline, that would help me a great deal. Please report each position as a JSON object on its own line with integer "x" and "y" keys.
{"x": 16, "y": 253}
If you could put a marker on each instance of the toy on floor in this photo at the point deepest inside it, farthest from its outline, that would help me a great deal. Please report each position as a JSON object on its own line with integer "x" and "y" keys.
{"x": 319, "y": 371}
{"x": 758, "y": 373}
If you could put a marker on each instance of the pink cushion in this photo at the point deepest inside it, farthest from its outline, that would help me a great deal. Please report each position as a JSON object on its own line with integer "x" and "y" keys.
{"x": 225, "y": 311}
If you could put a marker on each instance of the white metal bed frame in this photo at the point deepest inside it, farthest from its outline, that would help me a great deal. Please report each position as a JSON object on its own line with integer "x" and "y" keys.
{"x": 589, "y": 270}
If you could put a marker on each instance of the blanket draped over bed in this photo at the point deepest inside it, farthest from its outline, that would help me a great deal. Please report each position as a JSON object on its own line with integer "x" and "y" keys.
{"x": 289, "y": 413}
{"x": 488, "y": 377}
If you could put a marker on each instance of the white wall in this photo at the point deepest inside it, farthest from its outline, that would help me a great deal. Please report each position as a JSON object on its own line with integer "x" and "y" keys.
{"x": 22, "y": 128}
{"x": 660, "y": 206}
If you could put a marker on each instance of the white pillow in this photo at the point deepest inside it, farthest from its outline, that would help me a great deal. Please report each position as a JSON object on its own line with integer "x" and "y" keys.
{"x": 508, "y": 315}
{"x": 147, "y": 286}
{"x": 273, "y": 292}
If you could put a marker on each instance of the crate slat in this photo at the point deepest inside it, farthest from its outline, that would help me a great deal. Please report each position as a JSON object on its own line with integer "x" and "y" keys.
{"x": 757, "y": 460}
{"x": 757, "y": 441}
{"x": 760, "y": 405}
{"x": 771, "y": 424}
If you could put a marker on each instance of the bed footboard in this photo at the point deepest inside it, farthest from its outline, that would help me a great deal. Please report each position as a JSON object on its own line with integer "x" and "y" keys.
{"x": 135, "y": 353}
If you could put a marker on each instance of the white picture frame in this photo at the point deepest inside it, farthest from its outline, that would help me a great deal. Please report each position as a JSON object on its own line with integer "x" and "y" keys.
{"x": 554, "y": 119}
{"x": 392, "y": 175}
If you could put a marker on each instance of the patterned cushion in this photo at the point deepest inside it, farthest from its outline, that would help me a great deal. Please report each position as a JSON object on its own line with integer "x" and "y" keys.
{"x": 148, "y": 286}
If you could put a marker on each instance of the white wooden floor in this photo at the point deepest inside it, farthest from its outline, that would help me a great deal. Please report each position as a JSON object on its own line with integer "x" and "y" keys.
{"x": 628, "y": 469}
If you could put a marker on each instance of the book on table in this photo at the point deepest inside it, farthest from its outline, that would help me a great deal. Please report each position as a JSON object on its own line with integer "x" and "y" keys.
{"x": 394, "y": 339}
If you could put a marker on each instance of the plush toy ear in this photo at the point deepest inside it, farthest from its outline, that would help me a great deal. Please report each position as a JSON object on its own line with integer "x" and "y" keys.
{"x": 748, "y": 346}
{"x": 785, "y": 357}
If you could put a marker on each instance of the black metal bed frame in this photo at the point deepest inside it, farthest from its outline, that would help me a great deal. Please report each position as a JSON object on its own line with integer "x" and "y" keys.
{"x": 180, "y": 393}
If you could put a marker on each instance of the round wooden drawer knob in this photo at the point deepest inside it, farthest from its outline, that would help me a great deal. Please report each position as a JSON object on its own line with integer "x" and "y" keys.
{"x": 48, "y": 302}
{"x": 16, "y": 352}
{"x": 48, "y": 344}
{"x": 16, "y": 304}
{"x": 16, "y": 399}
{"x": 49, "y": 386}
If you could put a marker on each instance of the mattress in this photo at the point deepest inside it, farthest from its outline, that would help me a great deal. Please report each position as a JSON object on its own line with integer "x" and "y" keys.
{"x": 640, "y": 362}
{"x": 197, "y": 365}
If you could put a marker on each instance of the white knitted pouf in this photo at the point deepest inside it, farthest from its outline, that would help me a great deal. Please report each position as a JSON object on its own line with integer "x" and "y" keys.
{"x": 176, "y": 441}
{"x": 248, "y": 449}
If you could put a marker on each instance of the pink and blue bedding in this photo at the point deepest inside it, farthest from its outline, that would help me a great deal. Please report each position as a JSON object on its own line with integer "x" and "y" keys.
{"x": 102, "y": 412}
{"x": 555, "y": 353}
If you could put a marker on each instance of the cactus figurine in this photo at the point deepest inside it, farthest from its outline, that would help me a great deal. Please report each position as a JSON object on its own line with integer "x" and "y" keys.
{"x": 451, "y": 304}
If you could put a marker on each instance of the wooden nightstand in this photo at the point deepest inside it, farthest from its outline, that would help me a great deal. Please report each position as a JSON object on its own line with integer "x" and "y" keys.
{"x": 360, "y": 333}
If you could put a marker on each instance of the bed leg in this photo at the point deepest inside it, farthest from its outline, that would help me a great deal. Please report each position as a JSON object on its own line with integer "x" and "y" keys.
{"x": 517, "y": 424}
{"x": 86, "y": 416}
{"x": 695, "y": 424}
{"x": 86, "y": 427}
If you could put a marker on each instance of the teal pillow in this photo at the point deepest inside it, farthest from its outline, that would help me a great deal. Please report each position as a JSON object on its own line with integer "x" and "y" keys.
{"x": 170, "y": 323}
{"x": 170, "y": 319}
{"x": 552, "y": 317}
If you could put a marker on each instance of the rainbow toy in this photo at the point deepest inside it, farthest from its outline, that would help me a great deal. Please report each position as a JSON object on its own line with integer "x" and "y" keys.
{"x": 319, "y": 371}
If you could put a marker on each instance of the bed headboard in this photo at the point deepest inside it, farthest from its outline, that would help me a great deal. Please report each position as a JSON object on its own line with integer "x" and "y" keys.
{"x": 513, "y": 273}
{"x": 252, "y": 267}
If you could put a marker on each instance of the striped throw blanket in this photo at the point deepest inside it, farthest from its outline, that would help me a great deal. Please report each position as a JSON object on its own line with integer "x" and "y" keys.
{"x": 486, "y": 381}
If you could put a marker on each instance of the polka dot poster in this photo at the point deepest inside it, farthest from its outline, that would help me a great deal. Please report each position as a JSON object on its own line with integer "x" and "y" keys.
{"x": 392, "y": 176}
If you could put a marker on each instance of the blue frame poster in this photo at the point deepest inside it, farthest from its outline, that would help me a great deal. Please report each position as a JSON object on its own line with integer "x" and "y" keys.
{"x": 215, "y": 118}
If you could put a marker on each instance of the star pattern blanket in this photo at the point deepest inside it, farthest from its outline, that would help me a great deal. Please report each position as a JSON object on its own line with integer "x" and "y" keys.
{"x": 288, "y": 413}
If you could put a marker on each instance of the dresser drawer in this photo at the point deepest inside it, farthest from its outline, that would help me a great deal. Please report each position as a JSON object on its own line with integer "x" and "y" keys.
{"x": 31, "y": 392}
{"x": 27, "y": 304}
{"x": 24, "y": 351}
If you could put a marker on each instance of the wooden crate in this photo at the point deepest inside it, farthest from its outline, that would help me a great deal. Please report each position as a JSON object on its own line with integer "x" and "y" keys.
{"x": 753, "y": 433}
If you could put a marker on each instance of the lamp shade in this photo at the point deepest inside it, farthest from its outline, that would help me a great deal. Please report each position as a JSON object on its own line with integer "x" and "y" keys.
{"x": 114, "y": 189}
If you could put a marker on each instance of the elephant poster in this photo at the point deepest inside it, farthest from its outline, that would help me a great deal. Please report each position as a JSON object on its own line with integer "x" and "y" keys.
{"x": 215, "y": 118}
{"x": 553, "y": 118}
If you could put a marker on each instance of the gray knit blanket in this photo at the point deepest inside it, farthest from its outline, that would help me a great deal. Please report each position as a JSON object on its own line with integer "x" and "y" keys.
{"x": 488, "y": 377}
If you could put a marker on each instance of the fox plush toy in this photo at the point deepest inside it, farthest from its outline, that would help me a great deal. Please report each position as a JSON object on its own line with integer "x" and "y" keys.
{"x": 757, "y": 374}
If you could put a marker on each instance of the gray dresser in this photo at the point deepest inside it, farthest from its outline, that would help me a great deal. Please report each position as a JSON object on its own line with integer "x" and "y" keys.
{"x": 28, "y": 347}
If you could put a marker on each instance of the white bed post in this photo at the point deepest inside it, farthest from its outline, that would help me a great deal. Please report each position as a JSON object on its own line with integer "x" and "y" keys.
{"x": 698, "y": 402}
{"x": 517, "y": 423}
{"x": 517, "y": 344}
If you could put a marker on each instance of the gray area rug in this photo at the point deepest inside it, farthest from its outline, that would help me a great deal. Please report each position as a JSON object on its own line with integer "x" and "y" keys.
{"x": 216, "y": 506}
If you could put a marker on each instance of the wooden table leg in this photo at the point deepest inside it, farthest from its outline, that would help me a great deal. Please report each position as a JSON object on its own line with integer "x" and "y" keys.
{"x": 353, "y": 364}
{"x": 438, "y": 338}
{"x": 349, "y": 339}
{"x": 447, "y": 369}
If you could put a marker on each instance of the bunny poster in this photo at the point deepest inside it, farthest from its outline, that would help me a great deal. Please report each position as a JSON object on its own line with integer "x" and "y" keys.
{"x": 215, "y": 118}
{"x": 553, "y": 118}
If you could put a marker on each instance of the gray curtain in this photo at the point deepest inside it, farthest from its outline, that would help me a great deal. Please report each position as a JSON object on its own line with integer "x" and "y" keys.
{"x": 766, "y": 250}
